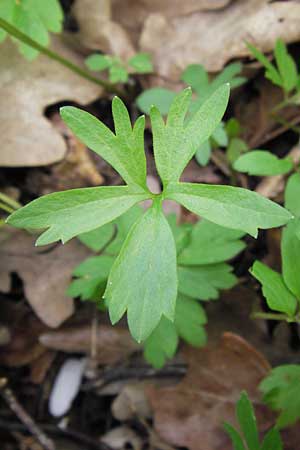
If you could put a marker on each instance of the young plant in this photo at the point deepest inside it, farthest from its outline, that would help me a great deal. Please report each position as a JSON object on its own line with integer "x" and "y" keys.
{"x": 248, "y": 439}
{"x": 262, "y": 163}
{"x": 284, "y": 74}
{"x": 196, "y": 76}
{"x": 117, "y": 69}
{"x": 282, "y": 291}
{"x": 202, "y": 250}
{"x": 143, "y": 280}
{"x": 35, "y": 18}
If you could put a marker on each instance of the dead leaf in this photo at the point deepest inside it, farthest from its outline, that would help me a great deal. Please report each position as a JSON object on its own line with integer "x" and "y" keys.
{"x": 215, "y": 37}
{"x": 113, "y": 343}
{"x": 131, "y": 402}
{"x": 27, "y": 88}
{"x": 98, "y": 32}
{"x": 194, "y": 410}
{"x": 76, "y": 170}
{"x": 121, "y": 437}
{"x": 40, "y": 367}
{"x": 46, "y": 274}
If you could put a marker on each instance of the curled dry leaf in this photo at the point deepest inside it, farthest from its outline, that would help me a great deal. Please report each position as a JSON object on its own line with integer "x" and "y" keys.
{"x": 26, "y": 89}
{"x": 194, "y": 410}
{"x": 45, "y": 273}
{"x": 112, "y": 343}
{"x": 131, "y": 402}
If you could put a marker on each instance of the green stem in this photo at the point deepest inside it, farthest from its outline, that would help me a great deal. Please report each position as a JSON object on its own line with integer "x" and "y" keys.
{"x": 13, "y": 31}
{"x": 9, "y": 201}
{"x": 6, "y": 208}
{"x": 286, "y": 102}
{"x": 270, "y": 316}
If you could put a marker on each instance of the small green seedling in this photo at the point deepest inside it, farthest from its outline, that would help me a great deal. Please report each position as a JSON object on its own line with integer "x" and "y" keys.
{"x": 117, "y": 69}
{"x": 35, "y": 18}
{"x": 248, "y": 439}
{"x": 281, "y": 389}
{"x": 202, "y": 250}
{"x": 284, "y": 74}
{"x": 143, "y": 280}
{"x": 196, "y": 76}
{"x": 282, "y": 291}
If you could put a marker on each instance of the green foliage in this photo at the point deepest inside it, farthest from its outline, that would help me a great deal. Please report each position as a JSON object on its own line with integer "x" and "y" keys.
{"x": 284, "y": 74}
{"x": 195, "y": 76}
{"x": 262, "y": 163}
{"x": 143, "y": 278}
{"x": 35, "y": 18}
{"x": 248, "y": 439}
{"x": 118, "y": 71}
{"x": 281, "y": 389}
{"x": 282, "y": 291}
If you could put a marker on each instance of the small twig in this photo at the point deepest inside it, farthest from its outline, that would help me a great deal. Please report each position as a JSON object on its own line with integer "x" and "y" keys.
{"x": 13, "y": 31}
{"x": 8, "y": 395}
{"x": 126, "y": 373}
{"x": 52, "y": 429}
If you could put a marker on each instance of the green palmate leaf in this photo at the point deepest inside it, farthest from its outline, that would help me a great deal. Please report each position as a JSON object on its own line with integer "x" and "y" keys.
{"x": 262, "y": 163}
{"x": 161, "y": 344}
{"x": 235, "y": 149}
{"x": 290, "y": 252}
{"x": 229, "y": 206}
{"x": 160, "y": 97}
{"x": 219, "y": 136}
{"x": 204, "y": 282}
{"x": 50, "y": 13}
{"x": 203, "y": 153}
{"x": 124, "y": 151}
{"x": 83, "y": 209}
{"x": 246, "y": 417}
{"x": 6, "y": 13}
{"x": 143, "y": 280}
{"x": 175, "y": 142}
{"x": 91, "y": 276}
{"x": 181, "y": 233}
{"x": 98, "y": 62}
{"x": 271, "y": 72}
{"x": 278, "y": 296}
{"x": 117, "y": 72}
{"x": 292, "y": 194}
{"x": 237, "y": 441}
{"x": 281, "y": 391}
{"x": 286, "y": 66}
{"x": 272, "y": 440}
{"x": 210, "y": 244}
{"x": 141, "y": 62}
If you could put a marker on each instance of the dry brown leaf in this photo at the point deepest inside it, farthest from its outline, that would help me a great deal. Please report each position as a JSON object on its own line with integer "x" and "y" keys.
{"x": 46, "y": 274}
{"x": 121, "y": 437}
{"x": 194, "y": 410}
{"x": 26, "y": 89}
{"x": 131, "y": 402}
{"x": 215, "y": 37}
{"x": 113, "y": 343}
{"x": 98, "y": 32}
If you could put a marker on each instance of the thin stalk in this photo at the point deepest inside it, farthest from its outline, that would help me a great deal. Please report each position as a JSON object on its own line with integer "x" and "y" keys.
{"x": 270, "y": 316}
{"x": 9, "y": 201}
{"x": 13, "y": 31}
{"x": 6, "y": 208}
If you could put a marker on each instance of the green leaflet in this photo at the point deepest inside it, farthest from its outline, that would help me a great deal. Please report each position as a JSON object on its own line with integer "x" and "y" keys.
{"x": 278, "y": 296}
{"x": 124, "y": 151}
{"x": 211, "y": 244}
{"x": 290, "y": 252}
{"x": 34, "y": 18}
{"x": 188, "y": 324}
{"x": 246, "y": 417}
{"x": 262, "y": 163}
{"x": 175, "y": 142}
{"x": 203, "y": 282}
{"x": 229, "y": 206}
{"x": 281, "y": 392}
{"x": 143, "y": 279}
{"x": 249, "y": 439}
{"x": 292, "y": 194}
{"x": 141, "y": 63}
{"x": 83, "y": 209}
